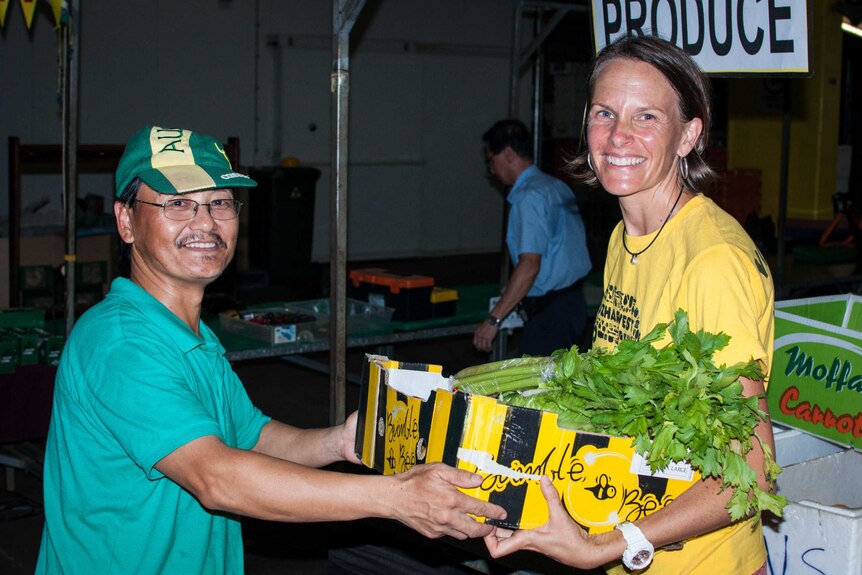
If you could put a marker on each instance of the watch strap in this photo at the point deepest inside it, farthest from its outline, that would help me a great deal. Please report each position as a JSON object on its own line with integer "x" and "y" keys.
{"x": 639, "y": 552}
{"x": 495, "y": 321}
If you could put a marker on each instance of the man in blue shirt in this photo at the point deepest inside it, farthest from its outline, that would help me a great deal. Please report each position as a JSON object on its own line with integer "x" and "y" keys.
{"x": 546, "y": 240}
{"x": 154, "y": 448}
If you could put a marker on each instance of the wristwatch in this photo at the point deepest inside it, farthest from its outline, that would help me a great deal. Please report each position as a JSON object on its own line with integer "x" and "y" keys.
{"x": 495, "y": 321}
{"x": 639, "y": 552}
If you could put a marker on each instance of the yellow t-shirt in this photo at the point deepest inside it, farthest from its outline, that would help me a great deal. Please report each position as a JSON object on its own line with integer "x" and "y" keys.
{"x": 704, "y": 263}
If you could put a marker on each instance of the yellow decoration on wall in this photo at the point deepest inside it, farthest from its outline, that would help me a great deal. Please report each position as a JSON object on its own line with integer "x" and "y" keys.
{"x": 29, "y": 7}
{"x": 4, "y": 4}
{"x": 56, "y": 7}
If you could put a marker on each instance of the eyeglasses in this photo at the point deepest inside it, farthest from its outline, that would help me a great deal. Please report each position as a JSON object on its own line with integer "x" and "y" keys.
{"x": 185, "y": 209}
{"x": 489, "y": 157}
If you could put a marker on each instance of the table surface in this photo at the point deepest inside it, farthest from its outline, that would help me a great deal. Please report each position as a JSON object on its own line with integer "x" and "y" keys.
{"x": 472, "y": 308}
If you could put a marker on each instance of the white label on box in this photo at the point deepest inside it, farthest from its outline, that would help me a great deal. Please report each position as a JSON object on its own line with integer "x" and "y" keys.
{"x": 485, "y": 463}
{"x": 512, "y": 320}
{"x": 676, "y": 470}
{"x": 285, "y": 333}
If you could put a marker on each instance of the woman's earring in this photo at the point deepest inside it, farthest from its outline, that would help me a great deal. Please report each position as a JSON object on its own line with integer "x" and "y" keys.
{"x": 590, "y": 162}
{"x": 683, "y": 168}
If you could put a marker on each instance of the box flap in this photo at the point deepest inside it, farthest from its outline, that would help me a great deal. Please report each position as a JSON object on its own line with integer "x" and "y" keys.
{"x": 417, "y": 384}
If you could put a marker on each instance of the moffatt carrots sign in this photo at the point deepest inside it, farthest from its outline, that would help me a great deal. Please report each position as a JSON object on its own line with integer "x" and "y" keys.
{"x": 816, "y": 377}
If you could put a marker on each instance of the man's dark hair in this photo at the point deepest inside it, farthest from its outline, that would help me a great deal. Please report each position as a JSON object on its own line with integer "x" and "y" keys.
{"x": 693, "y": 94}
{"x": 512, "y": 133}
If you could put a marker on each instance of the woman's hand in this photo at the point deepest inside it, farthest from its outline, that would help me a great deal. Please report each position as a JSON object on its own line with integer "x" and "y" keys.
{"x": 560, "y": 538}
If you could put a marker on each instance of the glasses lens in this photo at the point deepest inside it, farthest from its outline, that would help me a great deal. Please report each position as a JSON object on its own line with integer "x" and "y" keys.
{"x": 225, "y": 209}
{"x": 183, "y": 209}
{"x": 180, "y": 209}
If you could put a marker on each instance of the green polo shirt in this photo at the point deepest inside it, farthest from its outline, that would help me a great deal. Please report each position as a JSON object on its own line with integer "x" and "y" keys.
{"x": 135, "y": 383}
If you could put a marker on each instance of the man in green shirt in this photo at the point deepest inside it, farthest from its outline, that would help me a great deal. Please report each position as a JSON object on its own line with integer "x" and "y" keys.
{"x": 154, "y": 448}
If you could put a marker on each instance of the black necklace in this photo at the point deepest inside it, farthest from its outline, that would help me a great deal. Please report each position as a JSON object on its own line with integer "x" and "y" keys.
{"x": 634, "y": 255}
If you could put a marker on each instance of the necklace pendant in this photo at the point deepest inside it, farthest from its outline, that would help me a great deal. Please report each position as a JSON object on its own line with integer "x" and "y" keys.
{"x": 634, "y": 259}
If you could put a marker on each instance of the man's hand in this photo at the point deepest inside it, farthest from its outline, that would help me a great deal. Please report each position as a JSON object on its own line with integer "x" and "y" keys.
{"x": 484, "y": 336}
{"x": 426, "y": 499}
{"x": 520, "y": 283}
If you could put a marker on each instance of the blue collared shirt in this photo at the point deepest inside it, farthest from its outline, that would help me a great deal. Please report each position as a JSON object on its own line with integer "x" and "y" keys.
{"x": 545, "y": 220}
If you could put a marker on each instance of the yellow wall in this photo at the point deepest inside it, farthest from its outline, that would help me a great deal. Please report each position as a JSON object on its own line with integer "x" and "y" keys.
{"x": 755, "y": 122}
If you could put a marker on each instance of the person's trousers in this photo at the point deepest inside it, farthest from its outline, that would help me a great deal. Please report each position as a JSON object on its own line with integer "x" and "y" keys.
{"x": 555, "y": 320}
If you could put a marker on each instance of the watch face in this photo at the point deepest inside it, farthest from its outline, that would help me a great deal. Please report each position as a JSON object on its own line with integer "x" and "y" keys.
{"x": 641, "y": 558}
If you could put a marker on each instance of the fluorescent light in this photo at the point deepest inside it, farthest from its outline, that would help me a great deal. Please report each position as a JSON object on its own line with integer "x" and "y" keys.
{"x": 851, "y": 29}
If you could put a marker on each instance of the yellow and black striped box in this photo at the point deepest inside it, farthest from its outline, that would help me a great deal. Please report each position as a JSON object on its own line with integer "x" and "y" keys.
{"x": 409, "y": 416}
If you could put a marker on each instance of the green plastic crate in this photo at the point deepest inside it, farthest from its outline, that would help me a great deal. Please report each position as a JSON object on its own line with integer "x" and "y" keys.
{"x": 22, "y": 318}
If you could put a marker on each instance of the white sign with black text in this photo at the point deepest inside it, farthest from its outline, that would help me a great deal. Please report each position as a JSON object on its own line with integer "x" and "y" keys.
{"x": 723, "y": 36}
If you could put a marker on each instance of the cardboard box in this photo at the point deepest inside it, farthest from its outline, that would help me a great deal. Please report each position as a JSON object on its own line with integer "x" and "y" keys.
{"x": 275, "y": 325}
{"x": 821, "y": 531}
{"x": 408, "y": 416}
{"x": 816, "y": 379}
{"x": 362, "y": 317}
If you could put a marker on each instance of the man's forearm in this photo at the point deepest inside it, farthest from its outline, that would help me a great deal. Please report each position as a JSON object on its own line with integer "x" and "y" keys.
{"x": 519, "y": 286}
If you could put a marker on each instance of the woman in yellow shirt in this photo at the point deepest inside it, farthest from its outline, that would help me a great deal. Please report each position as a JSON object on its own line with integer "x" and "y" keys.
{"x": 647, "y": 124}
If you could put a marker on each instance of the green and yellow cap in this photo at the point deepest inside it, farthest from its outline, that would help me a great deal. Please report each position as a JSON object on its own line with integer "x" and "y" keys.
{"x": 177, "y": 161}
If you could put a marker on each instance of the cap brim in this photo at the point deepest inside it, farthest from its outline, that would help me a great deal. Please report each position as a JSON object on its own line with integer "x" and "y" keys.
{"x": 193, "y": 178}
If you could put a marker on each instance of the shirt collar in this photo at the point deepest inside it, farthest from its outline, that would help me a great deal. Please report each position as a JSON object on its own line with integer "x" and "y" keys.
{"x": 521, "y": 181}
{"x": 185, "y": 338}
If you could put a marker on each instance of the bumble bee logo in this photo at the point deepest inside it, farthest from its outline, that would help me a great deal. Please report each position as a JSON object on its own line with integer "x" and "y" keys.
{"x": 603, "y": 489}
{"x": 607, "y": 492}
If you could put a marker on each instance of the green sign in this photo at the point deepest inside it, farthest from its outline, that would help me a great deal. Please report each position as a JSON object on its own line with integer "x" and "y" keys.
{"x": 816, "y": 379}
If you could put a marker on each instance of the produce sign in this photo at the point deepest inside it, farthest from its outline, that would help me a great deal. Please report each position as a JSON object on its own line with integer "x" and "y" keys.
{"x": 676, "y": 403}
{"x": 723, "y": 36}
{"x": 816, "y": 380}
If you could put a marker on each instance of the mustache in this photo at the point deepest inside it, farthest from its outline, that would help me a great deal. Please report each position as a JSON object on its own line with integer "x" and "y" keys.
{"x": 201, "y": 237}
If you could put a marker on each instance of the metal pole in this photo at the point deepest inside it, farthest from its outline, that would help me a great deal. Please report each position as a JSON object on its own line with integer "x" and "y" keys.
{"x": 344, "y": 13}
{"x": 783, "y": 184}
{"x": 69, "y": 63}
{"x": 515, "y": 60}
{"x": 538, "y": 90}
